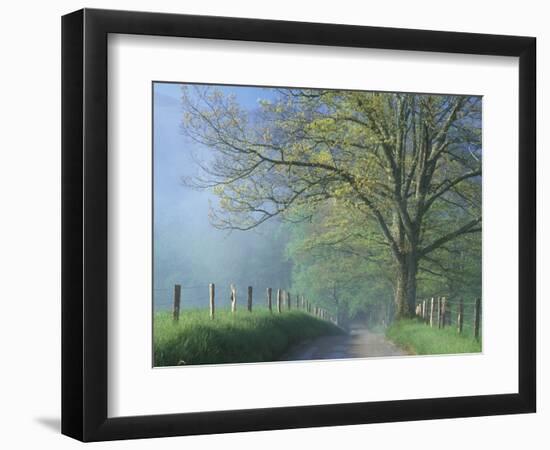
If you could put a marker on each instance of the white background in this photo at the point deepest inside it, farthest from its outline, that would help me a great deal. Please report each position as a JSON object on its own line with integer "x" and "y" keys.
{"x": 30, "y": 236}
{"x": 135, "y": 389}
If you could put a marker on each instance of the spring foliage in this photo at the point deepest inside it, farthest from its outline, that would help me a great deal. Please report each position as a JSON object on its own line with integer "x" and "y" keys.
{"x": 378, "y": 186}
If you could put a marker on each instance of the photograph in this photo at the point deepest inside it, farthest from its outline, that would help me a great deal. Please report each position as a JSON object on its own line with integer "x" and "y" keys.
{"x": 304, "y": 224}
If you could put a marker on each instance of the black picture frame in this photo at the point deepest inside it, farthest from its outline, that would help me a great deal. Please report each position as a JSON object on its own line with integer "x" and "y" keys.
{"x": 84, "y": 224}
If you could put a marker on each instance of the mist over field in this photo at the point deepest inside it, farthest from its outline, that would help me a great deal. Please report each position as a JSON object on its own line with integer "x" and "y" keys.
{"x": 188, "y": 250}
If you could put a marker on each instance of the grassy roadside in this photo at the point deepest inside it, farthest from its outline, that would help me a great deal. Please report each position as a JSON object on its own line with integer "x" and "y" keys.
{"x": 242, "y": 337}
{"x": 420, "y": 339}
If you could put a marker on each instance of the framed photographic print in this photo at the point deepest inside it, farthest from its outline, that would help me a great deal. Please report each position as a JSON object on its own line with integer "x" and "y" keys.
{"x": 274, "y": 224}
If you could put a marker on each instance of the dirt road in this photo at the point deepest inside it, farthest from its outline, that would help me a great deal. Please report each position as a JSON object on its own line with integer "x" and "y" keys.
{"x": 359, "y": 343}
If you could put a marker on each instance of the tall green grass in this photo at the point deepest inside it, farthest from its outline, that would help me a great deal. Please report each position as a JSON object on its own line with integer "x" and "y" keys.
{"x": 231, "y": 338}
{"x": 421, "y": 339}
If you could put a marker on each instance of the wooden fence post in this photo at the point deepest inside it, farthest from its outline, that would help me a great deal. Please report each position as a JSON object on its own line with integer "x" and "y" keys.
{"x": 279, "y": 294}
{"x": 432, "y": 313}
{"x": 212, "y": 291}
{"x": 460, "y": 318}
{"x": 249, "y": 299}
{"x": 233, "y": 298}
{"x": 269, "y": 300}
{"x": 443, "y": 311}
{"x": 438, "y": 312}
{"x": 177, "y": 301}
{"x": 477, "y": 318}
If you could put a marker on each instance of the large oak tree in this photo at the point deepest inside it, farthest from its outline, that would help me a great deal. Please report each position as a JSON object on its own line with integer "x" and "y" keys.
{"x": 408, "y": 165}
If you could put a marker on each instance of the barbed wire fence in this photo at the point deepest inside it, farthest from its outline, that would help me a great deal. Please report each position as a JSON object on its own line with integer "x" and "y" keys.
{"x": 163, "y": 297}
{"x": 440, "y": 312}
{"x": 204, "y": 295}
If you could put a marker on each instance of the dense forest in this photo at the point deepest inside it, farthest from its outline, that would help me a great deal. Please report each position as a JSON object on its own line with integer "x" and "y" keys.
{"x": 362, "y": 201}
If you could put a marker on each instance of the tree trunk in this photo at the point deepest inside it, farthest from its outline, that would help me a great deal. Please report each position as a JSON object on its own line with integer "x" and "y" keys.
{"x": 405, "y": 291}
{"x": 401, "y": 303}
{"x": 411, "y": 280}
